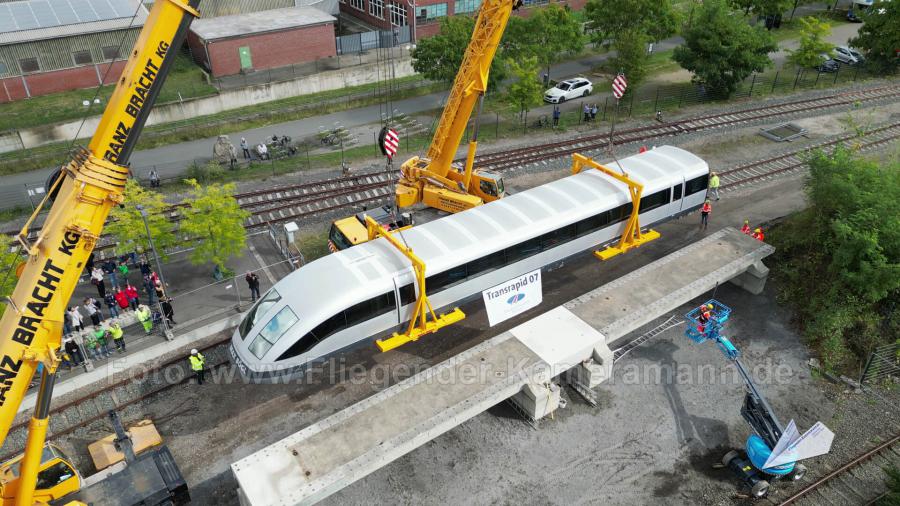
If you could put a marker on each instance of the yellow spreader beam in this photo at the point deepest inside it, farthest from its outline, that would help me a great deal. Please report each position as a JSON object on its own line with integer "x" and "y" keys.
{"x": 632, "y": 237}
{"x": 420, "y": 324}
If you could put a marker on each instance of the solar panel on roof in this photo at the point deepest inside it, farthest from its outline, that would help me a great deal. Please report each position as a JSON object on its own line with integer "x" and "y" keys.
{"x": 6, "y": 21}
{"x": 44, "y": 13}
{"x": 22, "y": 15}
{"x": 64, "y": 11}
{"x": 103, "y": 9}
{"x": 84, "y": 10}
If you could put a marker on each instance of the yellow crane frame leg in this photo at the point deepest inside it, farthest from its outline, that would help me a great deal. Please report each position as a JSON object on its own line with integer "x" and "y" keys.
{"x": 420, "y": 324}
{"x": 632, "y": 237}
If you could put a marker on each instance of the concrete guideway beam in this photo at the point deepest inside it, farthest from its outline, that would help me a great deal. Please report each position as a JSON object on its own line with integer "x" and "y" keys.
{"x": 520, "y": 364}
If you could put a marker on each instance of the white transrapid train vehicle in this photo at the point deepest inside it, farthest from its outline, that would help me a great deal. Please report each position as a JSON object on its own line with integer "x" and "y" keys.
{"x": 351, "y": 297}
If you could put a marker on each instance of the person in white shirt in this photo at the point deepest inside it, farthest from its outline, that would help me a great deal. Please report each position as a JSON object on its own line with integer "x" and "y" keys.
{"x": 76, "y": 319}
{"x": 92, "y": 311}
{"x": 262, "y": 151}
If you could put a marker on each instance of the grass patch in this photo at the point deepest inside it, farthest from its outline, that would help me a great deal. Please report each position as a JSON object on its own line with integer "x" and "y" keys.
{"x": 13, "y": 213}
{"x": 313, "y": 245}
{"x": 185, "y": 79}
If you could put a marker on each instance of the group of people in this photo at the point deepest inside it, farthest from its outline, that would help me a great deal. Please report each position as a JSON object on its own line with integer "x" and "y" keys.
{"x": 262, "y": 150}
{"x": 589, "y": 112}
{"x": 756, "y": 233}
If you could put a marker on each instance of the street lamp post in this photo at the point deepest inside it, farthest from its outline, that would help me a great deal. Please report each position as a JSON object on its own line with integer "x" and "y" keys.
{"x": 167, "y": 332}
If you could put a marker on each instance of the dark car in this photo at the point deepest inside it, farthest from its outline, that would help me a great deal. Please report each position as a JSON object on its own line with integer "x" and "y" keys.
{"x": 852, "y": 17}
{"x": 827, "y": 64}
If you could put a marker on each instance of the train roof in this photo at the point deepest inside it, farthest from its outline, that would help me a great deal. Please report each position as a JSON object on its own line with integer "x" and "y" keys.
{"x": 343, "y": 278}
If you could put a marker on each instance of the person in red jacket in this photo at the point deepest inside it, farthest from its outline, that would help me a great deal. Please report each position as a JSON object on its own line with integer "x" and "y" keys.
{"x": 758, "y": 234}
{"x": 746, "y": 228}
{"x": 121, "y": 299}
{"x": 132, "y": 294}
{"x": 704, "y": 215}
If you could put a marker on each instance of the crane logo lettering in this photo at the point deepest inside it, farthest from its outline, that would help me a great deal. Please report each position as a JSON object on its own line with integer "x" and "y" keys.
{"x": 31, "y": 318}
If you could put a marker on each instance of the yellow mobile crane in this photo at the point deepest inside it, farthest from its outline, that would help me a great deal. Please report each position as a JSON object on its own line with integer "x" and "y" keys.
{"x": 82, "y": 194}
{"x": 434, "y": 180}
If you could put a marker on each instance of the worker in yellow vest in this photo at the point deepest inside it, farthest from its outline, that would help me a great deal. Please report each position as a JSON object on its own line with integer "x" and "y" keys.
{"x": 118, "y": 336}
{"x": 198, "y": 363}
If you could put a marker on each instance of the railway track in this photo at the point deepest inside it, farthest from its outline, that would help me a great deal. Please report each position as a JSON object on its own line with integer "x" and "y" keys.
{"x": 860, "y": 481}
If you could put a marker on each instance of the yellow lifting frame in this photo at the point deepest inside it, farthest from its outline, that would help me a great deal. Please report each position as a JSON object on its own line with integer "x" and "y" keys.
{"x": 419, "y": 324}
{"x": 631, "y": 236}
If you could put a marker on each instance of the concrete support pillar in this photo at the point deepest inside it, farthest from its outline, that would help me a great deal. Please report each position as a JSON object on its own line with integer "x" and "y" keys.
{"x": 538, "y": 401}
{"x": 753, "y": 279}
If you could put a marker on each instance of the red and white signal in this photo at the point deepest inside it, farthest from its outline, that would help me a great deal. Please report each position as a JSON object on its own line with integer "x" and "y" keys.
{"x": 619, "y": 85}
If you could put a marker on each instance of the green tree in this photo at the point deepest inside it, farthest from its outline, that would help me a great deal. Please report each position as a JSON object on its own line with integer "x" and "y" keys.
{"x": 813, "y": 34}
{"x": 126, "y": 225}
{"x": 550, "y": 33}
{"x": 215, "y": 219}
{"x": 527, "y": 91}
{"x": 9, "y": 262}
{"x": 838, "y": 262}
{"x": 771, "y": 7}
{"x": 439, "y": 57}
{"x": 721, "y": 50}
{"x": 631, "y": 58}
{"x": 879, "y": 36}
{"x": 606, "y": 20}
{"x": 892, "y": 479}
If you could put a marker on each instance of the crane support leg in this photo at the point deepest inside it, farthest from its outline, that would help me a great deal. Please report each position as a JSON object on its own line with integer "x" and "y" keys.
{"x": 37, "y": 435}
{"x": 632, "y": 237}
{"x": 419, "y": 324}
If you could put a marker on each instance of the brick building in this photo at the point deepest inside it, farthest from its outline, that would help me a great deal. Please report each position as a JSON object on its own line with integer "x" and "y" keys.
{"x": 228, "y": 45}
{"x": 60, "y": 45}
{"x": 386, "y": 14}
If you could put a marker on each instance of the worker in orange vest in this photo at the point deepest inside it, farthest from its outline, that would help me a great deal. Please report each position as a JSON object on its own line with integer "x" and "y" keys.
{"x": 746, "y": 228}
{"x": 704, "y": 316}
{"x": 758, "y": 234}
{"x": 704, "y": 214}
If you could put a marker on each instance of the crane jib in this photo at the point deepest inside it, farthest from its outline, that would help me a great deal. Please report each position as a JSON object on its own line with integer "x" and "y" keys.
{"x": 29, "y": 319}
{"x": 139, "y": 95}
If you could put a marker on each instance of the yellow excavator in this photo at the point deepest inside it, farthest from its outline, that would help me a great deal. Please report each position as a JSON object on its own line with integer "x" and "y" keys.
{"x": 82, "y": 194}
{"x": 434, "y": 179}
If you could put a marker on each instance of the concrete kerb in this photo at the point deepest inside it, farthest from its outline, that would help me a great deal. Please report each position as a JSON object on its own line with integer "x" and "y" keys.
{"x": 131, "y": 365}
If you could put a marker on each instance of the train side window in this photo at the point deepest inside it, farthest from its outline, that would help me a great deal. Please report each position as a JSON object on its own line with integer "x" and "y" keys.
{"x": 523, "y": 250}
{"x": 384, "y": 303}
{"x": 621, "y": 213}
{"x": 654, "y": 200}
{"x": 301, "y": 346}
{"x": 330, "y": 326}
{"x": 677, "y": 193}
{"x": 407, "y": 294}
{"x": 486, "y": 264}
{"x": 557, "y": 237}
{"x": 696, "y": 185}
{"x": 446, "y": 279}
{"x": 592, "y": 224}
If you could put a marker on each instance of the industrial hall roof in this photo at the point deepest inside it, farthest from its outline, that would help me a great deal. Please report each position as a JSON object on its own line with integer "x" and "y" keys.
{"x": 236, "y": 25}
{"x": 29, "y": 20}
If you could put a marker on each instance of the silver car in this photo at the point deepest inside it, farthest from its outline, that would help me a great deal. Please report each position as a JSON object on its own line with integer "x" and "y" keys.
{"x": 848, "y": 55}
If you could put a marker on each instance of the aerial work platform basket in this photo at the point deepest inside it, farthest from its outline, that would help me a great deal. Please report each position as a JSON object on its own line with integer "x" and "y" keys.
{"x": 699, "y": 331}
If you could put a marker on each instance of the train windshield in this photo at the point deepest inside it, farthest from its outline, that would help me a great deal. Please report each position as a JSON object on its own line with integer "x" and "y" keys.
{"x": 261, "y": 308}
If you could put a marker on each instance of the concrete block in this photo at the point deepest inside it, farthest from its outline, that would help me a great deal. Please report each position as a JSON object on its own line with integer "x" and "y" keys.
{"x": 596, "y": 369}
{"x": 753, "y": 279}
{"x": 538, "y": 401}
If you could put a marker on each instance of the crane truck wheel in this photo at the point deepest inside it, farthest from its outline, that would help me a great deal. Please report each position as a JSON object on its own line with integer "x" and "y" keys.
{"x": 760, "y": 488}
{"x": 729, "y": 457}
{"x": 799, "y": 472}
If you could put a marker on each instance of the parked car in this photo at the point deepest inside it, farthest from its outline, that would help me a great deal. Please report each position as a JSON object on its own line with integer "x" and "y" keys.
{"x": 848, "y": 55}
{"x": 826, "y": 64}
{"x": 853, "y": 17}
{"x": 568, "y": 89}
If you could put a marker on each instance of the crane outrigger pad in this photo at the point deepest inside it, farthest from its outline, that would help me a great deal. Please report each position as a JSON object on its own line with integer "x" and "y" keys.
{"x": 419, "y": 324}
{"x": 632, "y": 237}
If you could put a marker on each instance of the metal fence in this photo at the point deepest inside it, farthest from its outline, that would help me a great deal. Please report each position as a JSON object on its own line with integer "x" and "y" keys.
{"x": 377, "y": 39}
{"x": 883, "y": 363}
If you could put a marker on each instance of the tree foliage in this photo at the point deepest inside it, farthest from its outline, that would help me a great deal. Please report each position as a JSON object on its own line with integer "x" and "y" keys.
{"x": 439, "y": 57}
{"x": 608, "y": 20}
{"x": 631, "y": 58}
{"x": 840, "y": 259}
{"x": 549, "y": 34}
{"x": 879, "y": 36}
{"x": 9, "y": 262}
{"x": 813, "y": 42}
{"x": 216, "y": 220}
{"x": 770, "y": 7}
{"x": 721, "y": 50}
{"x": 126, "y": 225}
{"x": 527, "y": 91}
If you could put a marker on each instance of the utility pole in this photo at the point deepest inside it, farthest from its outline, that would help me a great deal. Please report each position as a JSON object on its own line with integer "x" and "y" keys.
{"x": 167, "y": 332}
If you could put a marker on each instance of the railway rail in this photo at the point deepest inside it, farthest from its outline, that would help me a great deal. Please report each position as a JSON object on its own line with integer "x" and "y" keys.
{"x": 859, "y": 481}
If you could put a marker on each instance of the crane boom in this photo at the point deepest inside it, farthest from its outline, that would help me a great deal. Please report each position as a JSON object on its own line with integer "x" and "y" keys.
{"x": 432, "y": 179}
{"x": 84, "y": 192}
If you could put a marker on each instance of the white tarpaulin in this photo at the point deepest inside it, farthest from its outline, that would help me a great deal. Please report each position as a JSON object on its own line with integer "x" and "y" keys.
{"x": 513, "y": 297}
{"x": 792, "y": 447}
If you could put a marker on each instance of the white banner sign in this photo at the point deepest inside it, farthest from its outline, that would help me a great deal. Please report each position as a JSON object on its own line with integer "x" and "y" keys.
{"x": 793, "y": 447}
{"x": 513, "y": 297}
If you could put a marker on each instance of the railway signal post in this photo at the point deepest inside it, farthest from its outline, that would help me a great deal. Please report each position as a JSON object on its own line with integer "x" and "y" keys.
{"x": 619, "y": 85}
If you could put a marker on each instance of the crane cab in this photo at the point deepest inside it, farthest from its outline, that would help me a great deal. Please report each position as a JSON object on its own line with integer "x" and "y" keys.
{"x": 56, "y": 477}
{"x": 488, "y": 185}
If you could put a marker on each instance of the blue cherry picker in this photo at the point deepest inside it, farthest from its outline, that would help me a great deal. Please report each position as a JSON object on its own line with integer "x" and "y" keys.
{"x": 705, "y": 324}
